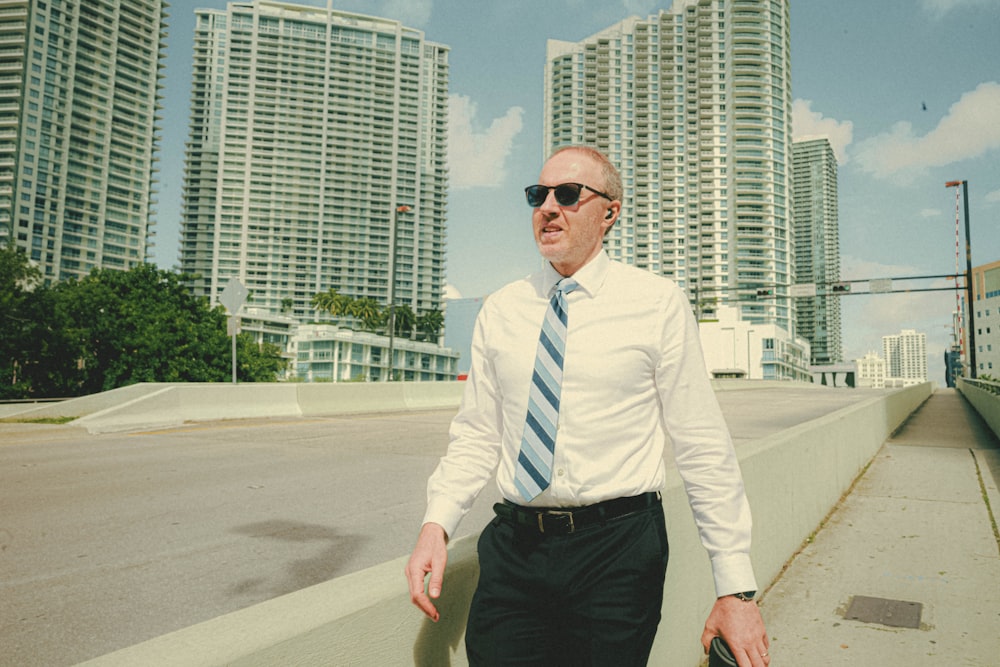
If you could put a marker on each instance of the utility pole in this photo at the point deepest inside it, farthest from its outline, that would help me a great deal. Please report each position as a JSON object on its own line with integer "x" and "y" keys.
{"x": 970, "y": 305}
{"x": 392, "y": 284}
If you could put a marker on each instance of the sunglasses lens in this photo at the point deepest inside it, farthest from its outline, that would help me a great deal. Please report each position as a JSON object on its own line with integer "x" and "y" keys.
{"x": 567, "y": 194}
{"x": 536, "y": 195}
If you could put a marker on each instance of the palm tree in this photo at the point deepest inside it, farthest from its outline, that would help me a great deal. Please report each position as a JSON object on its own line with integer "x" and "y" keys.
{"x": 332, "y": 302}
{"x": 429, "y": 324}
{"x": 367, "y": 310}
{"x": 405, "y": 320}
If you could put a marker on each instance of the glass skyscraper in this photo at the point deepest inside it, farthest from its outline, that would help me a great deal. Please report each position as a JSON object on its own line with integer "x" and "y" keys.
{"x": 817, "y": 247}
{"x": 79, "y": 96}
{"x": 694, "y": 106}
{"x": 317, "y": 158}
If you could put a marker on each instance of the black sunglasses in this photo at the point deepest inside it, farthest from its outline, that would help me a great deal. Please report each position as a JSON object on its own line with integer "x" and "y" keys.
{"x": 567, "y": 194}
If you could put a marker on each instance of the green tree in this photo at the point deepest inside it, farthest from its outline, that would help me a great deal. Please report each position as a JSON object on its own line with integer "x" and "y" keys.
{"x": 332, "y": 302}
{"x": 115, "y": 328}
{"x": 257, "y": 363}
{"x": 366, "y": 309}
{"x": 18, "y": 341}
{"x": 429, "y": 324}
{"x": 405, "y": 320}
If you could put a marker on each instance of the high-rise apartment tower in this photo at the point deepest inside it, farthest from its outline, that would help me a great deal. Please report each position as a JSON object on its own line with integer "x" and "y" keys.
{"x": 906, "y": 356}
{"x": 817, "y": 247}
{"x": 79, "y": 95}
{"x": 694, "y": 106}
{"x": 317, "y": 157}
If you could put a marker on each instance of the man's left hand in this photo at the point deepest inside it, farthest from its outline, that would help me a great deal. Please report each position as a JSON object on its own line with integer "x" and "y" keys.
{"x": 740, "y": 624}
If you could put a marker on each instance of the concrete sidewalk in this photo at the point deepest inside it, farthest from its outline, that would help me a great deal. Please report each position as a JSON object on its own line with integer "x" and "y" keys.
{"x": 913, "y": 544}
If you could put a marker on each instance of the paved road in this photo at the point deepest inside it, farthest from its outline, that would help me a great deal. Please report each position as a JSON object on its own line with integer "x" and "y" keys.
{"x": 109, "y": 540}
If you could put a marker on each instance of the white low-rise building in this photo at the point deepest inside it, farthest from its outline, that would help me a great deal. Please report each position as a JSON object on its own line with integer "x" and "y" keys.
{"x": 328, "y": 353}
{"x": 735, "y": 348}
{"x": 871, "y": 371}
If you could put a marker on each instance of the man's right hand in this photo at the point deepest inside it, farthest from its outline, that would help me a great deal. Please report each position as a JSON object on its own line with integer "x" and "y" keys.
{"x": 429, "y": 556}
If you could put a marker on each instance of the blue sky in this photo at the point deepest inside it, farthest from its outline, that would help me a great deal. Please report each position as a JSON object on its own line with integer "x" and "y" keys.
{"x": 908, "y": 91}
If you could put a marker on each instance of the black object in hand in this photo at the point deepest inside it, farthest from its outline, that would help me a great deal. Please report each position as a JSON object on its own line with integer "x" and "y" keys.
{"x": 719, "y": 654}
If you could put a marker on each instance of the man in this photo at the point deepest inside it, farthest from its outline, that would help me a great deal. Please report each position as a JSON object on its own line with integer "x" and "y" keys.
{"x": 572, "y": 567}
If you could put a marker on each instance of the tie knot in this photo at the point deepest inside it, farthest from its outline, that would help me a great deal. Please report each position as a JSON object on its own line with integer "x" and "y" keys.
{"x": 566, "y": 285}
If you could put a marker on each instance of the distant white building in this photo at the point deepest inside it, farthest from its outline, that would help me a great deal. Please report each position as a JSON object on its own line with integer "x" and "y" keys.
{"x": 328, "y": 353}
{"x": 871, "y": 371}
{"x": 316, "y": 159}
{"x": 736, "y": 348}
{"x": 905, "y": 356}
{"x": 694, "y": 106}
{"x": 81, "y": 96}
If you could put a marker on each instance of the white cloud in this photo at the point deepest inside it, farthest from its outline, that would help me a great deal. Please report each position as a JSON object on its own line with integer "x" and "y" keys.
{"x": 969, "y": 130}
{"x": 993, "y": 197}
{"x": 477, "y": 158}
{"x": 930, "y": 213}
{"x": 809, "y": 124}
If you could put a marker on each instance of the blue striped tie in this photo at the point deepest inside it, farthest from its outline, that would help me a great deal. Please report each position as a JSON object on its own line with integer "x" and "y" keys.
{"x": 534, "y": 463}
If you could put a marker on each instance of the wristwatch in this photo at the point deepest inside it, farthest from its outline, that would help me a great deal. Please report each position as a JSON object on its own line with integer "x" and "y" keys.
{"x": 746, "y": 596}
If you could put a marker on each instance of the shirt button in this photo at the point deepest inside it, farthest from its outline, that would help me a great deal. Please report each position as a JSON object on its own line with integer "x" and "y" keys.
{"x": 561, "y": 472}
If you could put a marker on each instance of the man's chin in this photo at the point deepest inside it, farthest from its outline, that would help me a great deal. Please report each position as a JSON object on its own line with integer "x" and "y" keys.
{"x": 550, "y": 251}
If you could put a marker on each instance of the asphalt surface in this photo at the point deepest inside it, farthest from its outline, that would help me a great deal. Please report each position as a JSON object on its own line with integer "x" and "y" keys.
{"x": 109, "y": 540}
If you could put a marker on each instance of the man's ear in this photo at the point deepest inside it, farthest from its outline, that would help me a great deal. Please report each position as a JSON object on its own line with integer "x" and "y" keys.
{"x": 614, "y": 209}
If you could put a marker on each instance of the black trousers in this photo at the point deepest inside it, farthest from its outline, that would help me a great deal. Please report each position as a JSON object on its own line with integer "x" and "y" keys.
{"x": 592, "y": 597}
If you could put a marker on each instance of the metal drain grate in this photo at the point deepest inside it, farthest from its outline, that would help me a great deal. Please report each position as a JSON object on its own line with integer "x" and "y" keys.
{"x": 895, "y": 613}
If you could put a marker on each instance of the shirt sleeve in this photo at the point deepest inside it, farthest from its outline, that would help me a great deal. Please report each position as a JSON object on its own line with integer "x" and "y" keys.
{"x": 474, "y": 441}
{"x": 704, "y": 452}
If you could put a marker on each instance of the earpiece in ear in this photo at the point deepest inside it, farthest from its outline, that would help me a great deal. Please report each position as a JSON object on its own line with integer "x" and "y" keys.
{"x": 611, "y": 214}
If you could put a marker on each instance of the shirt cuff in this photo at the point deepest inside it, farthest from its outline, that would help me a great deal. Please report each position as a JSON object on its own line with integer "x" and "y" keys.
{"x": 733, "y": 574}
{"x": 445, "y": 513}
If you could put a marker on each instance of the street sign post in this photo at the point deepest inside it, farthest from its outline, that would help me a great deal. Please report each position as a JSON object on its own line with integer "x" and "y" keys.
{"x": 233, "y": 297}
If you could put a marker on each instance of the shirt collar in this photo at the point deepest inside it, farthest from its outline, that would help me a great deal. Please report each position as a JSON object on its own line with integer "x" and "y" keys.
{"x": 590, "y": 276}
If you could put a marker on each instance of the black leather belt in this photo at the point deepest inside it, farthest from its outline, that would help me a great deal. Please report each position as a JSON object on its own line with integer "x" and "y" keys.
{"x": 566, "y": 520}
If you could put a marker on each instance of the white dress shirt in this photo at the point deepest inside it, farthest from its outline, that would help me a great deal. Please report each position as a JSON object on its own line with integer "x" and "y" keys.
{"x": 633, "y": 372}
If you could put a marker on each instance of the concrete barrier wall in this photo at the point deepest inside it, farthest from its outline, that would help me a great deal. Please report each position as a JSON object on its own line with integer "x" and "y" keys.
{"x": 153, "y": 405}
{"x": 986, "y": 404}
{"x": 161, "y": 405}
{"x": 793, "y": 479}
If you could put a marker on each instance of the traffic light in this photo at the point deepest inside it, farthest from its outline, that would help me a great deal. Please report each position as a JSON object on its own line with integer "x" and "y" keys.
{"x": 765, "y": 292}
{"x": 840, "y": 288}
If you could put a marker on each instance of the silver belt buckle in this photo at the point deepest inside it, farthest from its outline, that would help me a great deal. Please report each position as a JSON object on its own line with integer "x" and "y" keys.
{"x": 553, "y": 513}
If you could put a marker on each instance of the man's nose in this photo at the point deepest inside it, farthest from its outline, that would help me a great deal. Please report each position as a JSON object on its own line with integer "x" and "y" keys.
{"x": 550, "y": 204}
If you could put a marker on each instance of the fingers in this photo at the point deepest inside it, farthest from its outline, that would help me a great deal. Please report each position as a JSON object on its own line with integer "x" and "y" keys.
{"x": 415, "y": 575}
{"x": 436, "y": 579}
{"x": 706, "y": 639}
{"x": 741, "y": 625}
{"x": 756, "y": 658}
{"x": 430, "y": 555}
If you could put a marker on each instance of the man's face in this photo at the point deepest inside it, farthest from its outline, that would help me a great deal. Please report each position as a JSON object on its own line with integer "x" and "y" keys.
{"x": 570, "y": 236}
